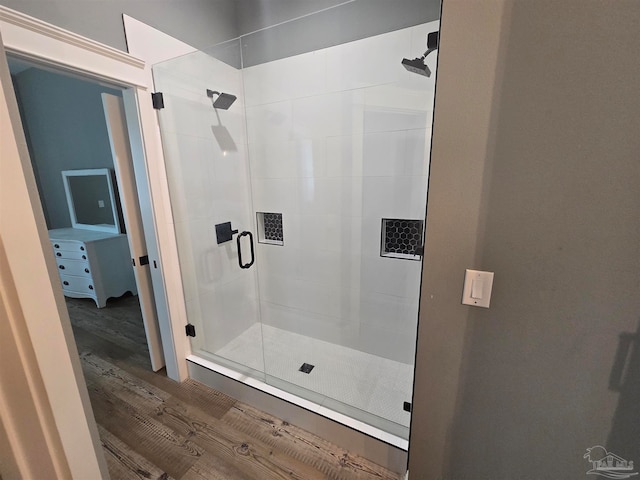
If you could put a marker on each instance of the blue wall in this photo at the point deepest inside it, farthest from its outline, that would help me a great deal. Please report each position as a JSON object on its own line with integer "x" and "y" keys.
{"x": 66, "y": 129}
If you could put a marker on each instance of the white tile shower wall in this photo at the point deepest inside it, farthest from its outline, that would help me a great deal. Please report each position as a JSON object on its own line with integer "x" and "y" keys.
{"x": 296, "y": 77}
{"x": 209, "y": 184}
{"x": 368, "y": 62}
{"x": 339, "y": 139}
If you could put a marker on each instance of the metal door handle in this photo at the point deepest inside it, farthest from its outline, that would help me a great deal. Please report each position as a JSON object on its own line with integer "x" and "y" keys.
{"x": 243, "y": 234}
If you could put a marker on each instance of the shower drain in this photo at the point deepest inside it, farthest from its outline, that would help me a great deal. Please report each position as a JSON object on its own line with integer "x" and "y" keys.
{"x": 306, "y": 368}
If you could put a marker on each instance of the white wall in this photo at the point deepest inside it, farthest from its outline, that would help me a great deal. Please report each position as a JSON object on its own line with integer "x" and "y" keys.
{"x": 338, "y": 139}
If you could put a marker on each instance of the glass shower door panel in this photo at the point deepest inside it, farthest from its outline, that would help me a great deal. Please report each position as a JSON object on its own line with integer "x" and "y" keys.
{"x": 339, "y": 149}
{"x": 205, "y": 152}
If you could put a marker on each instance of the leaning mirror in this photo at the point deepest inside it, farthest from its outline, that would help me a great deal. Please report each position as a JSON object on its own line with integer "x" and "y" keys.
{"x": 91, "y": 199}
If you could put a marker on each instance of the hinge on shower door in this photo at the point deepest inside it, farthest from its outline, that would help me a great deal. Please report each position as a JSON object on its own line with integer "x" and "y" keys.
{"x": 190, "y": 330}
{"x": 157, "y": 100}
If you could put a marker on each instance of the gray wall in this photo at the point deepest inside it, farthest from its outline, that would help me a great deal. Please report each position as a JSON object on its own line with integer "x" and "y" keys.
{"x": 66, "y": 128}
{"x": 205, "y": 23}
{"x": 199, "y": 23}
{"x": 346, "y": 22}
{"x": 254, "y": 15}
{"x": 521, "y": 390}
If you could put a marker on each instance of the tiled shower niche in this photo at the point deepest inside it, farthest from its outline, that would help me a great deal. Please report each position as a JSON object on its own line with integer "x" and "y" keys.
{"x": 270, "y": 228}
{"x": 402, "y": 238}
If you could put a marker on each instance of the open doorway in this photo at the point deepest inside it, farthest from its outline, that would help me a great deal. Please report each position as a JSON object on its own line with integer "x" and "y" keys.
{"x": 76, "y": 124}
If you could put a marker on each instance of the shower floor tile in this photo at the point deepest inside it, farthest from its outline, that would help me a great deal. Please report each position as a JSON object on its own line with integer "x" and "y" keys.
{"x": 369, "y": 383}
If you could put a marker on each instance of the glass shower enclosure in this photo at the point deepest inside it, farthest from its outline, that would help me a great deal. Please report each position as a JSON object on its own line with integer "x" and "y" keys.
{"x": 298, "y": 189}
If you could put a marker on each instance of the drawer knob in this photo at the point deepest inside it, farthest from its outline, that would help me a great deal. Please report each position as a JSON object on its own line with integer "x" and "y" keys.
{"x": 84, "y": 257}
{"x": 58, "y": 254}
{"x": 86, "y": 270}
{"x": 56, "y": 245}
{"x": 82, "y": 248}
{"x": 61, "y": 267}
{"x": 90, "y": 287}
{"x": 65, "y": 283}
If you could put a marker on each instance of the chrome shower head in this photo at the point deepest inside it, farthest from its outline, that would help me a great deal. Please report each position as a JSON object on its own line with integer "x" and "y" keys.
{"x": 223, "y": 101}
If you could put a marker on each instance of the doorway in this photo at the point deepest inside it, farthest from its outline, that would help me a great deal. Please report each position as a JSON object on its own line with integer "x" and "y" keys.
{"x": 73, "y": 123}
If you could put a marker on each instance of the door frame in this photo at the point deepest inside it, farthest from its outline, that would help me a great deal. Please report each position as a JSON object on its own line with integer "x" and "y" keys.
{"x": 33, "y": 39}
{"x": 125, "y": 171}
{"x": 47, "y": 429}
{"x": 49, "y": 362}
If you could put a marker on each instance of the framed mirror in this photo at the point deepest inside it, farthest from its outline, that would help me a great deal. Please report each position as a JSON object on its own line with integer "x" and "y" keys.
{"x": 91, "y": 199}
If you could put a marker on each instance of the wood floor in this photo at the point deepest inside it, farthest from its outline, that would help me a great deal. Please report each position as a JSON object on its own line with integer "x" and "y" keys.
{"x": 154, "y": 428}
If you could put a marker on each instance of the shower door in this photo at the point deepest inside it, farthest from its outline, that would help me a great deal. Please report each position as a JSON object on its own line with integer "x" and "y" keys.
{"x": 207, "y": 167}
{"x": 323, "y": 161}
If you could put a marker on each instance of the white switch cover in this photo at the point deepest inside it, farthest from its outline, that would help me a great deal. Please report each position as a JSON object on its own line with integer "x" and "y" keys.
{"x": 477, "y": 288}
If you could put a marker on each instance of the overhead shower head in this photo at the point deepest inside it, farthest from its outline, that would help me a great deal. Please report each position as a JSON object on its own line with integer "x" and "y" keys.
{"x": 223, "y": 101}
{"x": 417, "y": 65}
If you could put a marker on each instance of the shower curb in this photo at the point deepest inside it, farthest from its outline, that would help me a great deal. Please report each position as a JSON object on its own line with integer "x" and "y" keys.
{"x": 389, "y": 451}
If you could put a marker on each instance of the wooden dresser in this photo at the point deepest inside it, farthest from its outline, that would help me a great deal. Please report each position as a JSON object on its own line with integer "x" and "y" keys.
{"x": 93, "y": 264}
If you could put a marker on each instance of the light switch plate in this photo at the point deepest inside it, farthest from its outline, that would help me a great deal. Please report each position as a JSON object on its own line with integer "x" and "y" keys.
{"x": 477, "y": 288}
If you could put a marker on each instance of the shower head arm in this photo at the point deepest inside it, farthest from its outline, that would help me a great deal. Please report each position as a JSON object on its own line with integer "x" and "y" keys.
{"x": 222, "y": 101}
{"x": 427, "y": 53}
{"x": 433, "y": 40}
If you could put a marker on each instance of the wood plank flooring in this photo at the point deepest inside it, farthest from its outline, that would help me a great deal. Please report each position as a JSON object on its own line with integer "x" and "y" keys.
{"x": 154, "y": 428}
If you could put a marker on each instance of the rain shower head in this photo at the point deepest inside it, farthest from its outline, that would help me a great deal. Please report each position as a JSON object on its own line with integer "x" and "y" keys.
{"x": 417, "y": 65}
{"x": 223, "y": 101}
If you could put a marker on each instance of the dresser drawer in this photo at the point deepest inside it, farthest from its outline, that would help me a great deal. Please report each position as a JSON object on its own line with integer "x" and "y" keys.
{"x": 73, "y": 255}
{"x": 73, "y": 267}
{"x": 68, "y": 246}
{"x": 72, "y": 283}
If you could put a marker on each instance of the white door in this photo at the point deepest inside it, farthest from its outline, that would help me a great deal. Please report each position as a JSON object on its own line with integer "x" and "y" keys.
{"x": 123, "y": 162}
